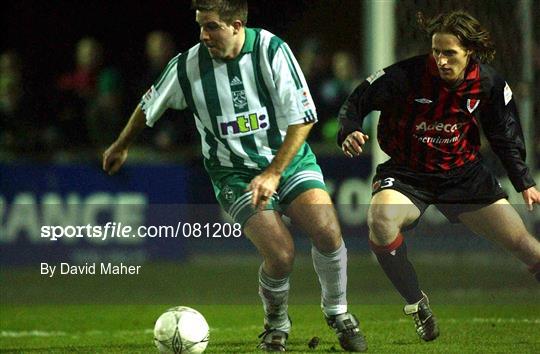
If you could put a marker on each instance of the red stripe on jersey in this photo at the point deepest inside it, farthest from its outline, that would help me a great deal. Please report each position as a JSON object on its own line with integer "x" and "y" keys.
{"x": 446, "y": 135}
{"x": 435, "y": 151}
{"x": 428, "y": 91}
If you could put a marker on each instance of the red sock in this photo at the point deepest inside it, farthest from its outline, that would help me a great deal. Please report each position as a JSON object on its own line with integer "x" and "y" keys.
{"x": 387, "y": 248}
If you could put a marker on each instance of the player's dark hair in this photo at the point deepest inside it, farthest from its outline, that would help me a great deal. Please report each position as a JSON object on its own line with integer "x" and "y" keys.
{"x": 228, "y": 10}
{"x": 466, "y": 28}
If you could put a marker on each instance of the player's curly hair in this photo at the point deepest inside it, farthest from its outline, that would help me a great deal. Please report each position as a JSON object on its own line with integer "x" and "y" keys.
{"x": 466, "y": 28}
{"x": 228, "y": 10}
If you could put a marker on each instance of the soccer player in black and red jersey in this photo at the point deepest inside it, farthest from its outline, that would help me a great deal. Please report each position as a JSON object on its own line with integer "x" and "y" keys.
{"x": 432, "y": 107}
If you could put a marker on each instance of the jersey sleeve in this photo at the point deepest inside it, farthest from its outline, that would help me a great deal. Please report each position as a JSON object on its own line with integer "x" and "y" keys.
{"x": 292, "y": 90}
{"x": 163, "y": 94}
{"x": 501, "y": 125}
{"x": 380, "y": 90}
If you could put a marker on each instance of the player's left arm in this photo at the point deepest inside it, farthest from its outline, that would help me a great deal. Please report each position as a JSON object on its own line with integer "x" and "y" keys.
{"x": 265, "y": 185}
{"x": 297, "y": 107}
{"x": 501, "y": 125}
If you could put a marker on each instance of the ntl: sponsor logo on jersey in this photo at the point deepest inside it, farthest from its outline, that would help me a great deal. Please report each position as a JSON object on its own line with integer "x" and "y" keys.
{"x": 243, "y": 125}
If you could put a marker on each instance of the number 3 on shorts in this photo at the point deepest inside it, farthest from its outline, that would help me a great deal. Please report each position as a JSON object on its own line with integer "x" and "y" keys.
{"x": 387, "y": 182}
{"x": 383, "y": 183}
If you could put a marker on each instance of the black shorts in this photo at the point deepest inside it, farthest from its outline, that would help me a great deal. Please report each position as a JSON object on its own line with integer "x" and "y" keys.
{"x": 453, "y": 192}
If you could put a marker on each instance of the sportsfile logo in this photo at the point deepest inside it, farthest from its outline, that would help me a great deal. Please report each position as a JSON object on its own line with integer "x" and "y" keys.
{"x": 243, "y": 124}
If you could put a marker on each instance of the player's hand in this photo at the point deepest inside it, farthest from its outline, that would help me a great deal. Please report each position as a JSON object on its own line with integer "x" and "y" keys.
{"x": 531, "y": 196}
{"x": 263, "y": 187}
{"x": 113, "y": 158}
{"x": 352, "y": 145}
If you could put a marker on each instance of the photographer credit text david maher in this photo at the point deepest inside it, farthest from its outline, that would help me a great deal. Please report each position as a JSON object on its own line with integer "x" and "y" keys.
{"x": 89, "y": 269}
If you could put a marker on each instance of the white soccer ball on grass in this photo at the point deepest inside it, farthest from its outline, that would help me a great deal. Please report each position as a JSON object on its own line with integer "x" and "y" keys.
{"x": 181, "y": 330}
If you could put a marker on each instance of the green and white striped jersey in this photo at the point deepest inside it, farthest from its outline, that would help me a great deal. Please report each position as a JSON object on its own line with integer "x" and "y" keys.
{"x": 242, "y": 106}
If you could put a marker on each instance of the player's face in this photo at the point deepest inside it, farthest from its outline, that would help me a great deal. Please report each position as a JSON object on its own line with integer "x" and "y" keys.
{"x": 452, "y": 59}
{"x": 220, "y": 38}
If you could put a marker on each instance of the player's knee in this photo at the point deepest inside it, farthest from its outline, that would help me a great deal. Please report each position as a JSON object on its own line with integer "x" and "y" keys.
{"x": 383, "y": 222}
{"x": 281, "y": 263}
{"x": 326, "y": 236}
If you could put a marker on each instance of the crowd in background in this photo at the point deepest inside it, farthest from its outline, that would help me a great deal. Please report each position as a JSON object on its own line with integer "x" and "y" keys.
{"x": 85, "y": 107}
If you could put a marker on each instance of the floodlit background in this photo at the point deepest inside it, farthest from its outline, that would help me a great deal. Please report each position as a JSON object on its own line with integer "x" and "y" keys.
{"x": 71, "y": 72}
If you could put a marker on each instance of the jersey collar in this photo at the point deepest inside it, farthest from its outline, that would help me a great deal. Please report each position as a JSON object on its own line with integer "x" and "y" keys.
{"x": 473, "y": 70}
{"x": 249, "y": 41}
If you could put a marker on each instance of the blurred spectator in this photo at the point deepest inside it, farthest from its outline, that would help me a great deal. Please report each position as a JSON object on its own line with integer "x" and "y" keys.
{"x": 314, "y": 65}
{"x": 312, "y": 62}
{"x": 160, "y": 49}
{"x": 177, "y": 127}
{"x": 91, "y": 93}
{"x": 19, "y": 125}
{"x": 334, "y": 90}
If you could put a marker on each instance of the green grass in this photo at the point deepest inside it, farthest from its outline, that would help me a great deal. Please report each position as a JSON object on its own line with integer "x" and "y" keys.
{"x": 484, "y": 305}
{"x": 127, "y": 329}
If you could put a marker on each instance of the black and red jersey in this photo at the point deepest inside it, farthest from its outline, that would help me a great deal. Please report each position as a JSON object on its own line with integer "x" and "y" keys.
{"x": 427, "y": 126}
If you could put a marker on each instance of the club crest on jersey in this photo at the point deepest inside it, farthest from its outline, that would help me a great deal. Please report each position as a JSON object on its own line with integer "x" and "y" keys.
{"x": 472, "y": 103}
{"x": 228, "y": 194}
{"x": 242, "y": 124}
{"x": 239, "y": 99}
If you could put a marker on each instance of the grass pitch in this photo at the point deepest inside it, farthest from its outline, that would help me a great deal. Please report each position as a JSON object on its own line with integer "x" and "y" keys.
{"x": 484, "y": 305}
{"x": 234, "y": 329}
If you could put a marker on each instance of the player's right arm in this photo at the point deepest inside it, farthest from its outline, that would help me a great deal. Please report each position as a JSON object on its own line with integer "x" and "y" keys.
{"x": 351, "y": 115}
{"x": 115, "y": 156}
{"x": 383, "y": 89}
{"x": 165, "y": 93}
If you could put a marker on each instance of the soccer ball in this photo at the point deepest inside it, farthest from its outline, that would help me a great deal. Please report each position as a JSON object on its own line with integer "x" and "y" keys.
{"x": 181, "y": 330}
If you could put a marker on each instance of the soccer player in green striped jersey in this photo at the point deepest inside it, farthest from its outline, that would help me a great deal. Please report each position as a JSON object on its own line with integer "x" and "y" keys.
{"x": 253, "y": 111}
